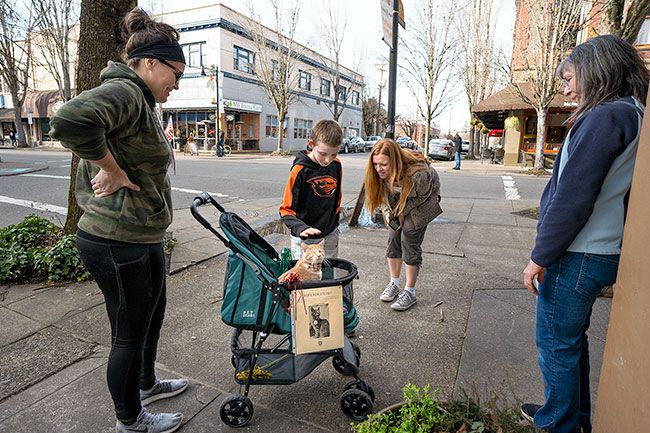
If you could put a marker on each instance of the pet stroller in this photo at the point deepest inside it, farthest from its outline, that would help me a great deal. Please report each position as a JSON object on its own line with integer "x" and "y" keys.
{"x": 254, "y": 302}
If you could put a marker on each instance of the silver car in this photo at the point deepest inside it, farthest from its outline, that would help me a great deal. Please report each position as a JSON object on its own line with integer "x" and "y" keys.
{"x": 440, "y": 148}
{"x": 370, "y": 141}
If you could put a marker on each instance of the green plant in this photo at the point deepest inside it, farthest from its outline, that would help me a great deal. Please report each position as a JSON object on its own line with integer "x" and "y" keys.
{"x": 35, "y": 249}
{"x": 62, "y": 261}
{"x": 423, "y": 412}
{"x": 485, "y": 130}
{"x": 512, "y": 123}
{"x": 284, "y": 153}
{"x": 168, "y": 245}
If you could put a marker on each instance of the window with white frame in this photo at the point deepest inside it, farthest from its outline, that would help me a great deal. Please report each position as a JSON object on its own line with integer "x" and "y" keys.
{"x": 304, "y": 81}
{"x": 355, "y": 97}
{"x": 301, "y": 128}
{"x": 195, "y": 54}
{"x": 325, "y": 87}
{"x": 272, "y": 126}
{"x": 244, "y": 60}
{"x": 343, "y": 93}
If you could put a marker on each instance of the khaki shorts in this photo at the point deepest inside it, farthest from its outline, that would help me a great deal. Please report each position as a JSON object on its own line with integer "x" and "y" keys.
{"x": 406, "y": 243}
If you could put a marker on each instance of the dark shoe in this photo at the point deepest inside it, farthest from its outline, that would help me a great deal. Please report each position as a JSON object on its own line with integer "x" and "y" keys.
{"x": 528, "y": 411}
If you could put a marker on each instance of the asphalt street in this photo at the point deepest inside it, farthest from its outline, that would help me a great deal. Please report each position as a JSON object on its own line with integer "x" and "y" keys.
{"x": 250, "y": 179}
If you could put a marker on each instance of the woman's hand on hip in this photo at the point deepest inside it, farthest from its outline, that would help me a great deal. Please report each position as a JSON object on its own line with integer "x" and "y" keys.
{"x": 533, "y": 272}
{"x": 106, "y": 183}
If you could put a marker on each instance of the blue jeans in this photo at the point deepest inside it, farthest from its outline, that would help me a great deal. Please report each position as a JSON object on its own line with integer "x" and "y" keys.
{"x": 457, "y": 158}
{"x": 564, "y": 304}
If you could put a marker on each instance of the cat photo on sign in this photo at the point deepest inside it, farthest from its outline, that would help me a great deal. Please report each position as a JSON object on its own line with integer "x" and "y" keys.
{"x": 319, "y": 325}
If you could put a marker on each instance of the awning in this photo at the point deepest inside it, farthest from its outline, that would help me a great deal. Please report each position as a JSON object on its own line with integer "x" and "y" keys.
{"x": 493, "y": 110}
{"x": 41, "y": 103}
{"x": 7, "y": 114}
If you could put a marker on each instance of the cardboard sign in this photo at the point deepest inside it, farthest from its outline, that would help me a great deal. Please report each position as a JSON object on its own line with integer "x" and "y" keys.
{"x": 317, "y": 319}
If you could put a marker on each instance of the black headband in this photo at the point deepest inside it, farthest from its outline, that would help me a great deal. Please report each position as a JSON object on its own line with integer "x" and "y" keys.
{"x": 159, "y": 50}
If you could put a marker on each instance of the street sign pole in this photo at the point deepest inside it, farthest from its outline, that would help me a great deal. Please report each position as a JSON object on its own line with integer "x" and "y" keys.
{"x": 392, "y": 74}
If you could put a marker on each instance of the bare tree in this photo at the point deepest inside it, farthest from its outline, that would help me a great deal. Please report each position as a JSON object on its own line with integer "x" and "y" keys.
{"x": 552, "y": 31}
{"x": 333, "y": 32}
{"x": 373, "y": 115}
{"x": 276, "y": 60}
{"x": 623, "y": 18}
{"x": 100, "y": 40}
{"x": 428, "y": 59}
{"x": 476, "y": 56}
{"x": 410, "y": 127}
{"x": 53, "y": 37}
{"x": 15, "y": 57}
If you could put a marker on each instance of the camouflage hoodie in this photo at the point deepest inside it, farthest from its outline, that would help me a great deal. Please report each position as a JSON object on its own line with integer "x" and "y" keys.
{"x": 118, "y": 117}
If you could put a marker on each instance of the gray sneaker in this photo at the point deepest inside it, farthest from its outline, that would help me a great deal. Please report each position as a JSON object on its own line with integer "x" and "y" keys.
{"x": 389, "y": 292}
{"x": 163, "y": 389}
{"x": 405, "y": 301}
{"x": 149, "y": 422}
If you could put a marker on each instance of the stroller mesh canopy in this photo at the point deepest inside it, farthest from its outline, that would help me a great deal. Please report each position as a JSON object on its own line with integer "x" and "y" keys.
{"x": 252, "y": 270}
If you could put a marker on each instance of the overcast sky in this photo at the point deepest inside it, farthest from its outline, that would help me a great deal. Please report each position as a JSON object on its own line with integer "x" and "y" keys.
{"x": 363, "y": 48}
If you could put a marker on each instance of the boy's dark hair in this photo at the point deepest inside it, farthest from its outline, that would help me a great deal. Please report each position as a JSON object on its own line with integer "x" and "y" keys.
{"x": 328, "y": 132}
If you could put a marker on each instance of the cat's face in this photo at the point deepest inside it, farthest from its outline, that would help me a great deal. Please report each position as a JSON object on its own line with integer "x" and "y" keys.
{"x": 315, "y": 312}
{"x": 313, "y": 253}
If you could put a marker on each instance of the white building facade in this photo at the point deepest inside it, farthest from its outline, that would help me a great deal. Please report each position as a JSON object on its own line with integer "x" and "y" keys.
{"x": 248, "y": 116}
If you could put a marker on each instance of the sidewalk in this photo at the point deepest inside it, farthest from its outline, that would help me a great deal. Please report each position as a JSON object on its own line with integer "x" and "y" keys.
{"x": 55, "y": 340}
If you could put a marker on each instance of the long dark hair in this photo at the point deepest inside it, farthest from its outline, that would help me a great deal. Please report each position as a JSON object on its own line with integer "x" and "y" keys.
{"x": 139, "y": 29}
{"x": 606, "y": 68}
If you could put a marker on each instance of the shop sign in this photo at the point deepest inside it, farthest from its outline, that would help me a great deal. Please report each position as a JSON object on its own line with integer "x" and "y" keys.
{"x": 239, "y": 105}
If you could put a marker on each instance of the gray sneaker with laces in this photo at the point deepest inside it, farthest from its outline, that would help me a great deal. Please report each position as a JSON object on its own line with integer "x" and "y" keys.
{"x": 405, "y": 301}
{"x": 389, "y": 292}
{"x": 149, "y": 422}
{"x": 163, "y": 389}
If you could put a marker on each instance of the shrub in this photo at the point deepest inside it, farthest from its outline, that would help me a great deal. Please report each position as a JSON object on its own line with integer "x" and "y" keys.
{"x": 422, "y": 412}
{"x": 35, "y": 249}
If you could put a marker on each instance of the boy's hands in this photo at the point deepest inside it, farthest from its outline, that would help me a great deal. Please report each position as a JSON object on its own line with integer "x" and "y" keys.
{"x": 309, "y": 232}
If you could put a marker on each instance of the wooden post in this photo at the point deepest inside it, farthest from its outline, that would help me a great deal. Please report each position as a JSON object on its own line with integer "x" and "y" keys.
{"x": 354, "y": 219}
{"x": 624, "y": 388}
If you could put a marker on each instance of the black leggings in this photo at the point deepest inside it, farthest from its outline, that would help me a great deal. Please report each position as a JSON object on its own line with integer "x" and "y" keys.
{"x": 132, "y": 279}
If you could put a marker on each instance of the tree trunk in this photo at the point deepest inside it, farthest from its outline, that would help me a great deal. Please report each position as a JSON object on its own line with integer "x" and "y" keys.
{"x": 477, "y": 141}
{"x": 99, "y": 41}
{"x": 541, "y": 139}
{"x": 426, "y": 136}
{"x": 21, "y": 139}
{"x": 470, "y": 152}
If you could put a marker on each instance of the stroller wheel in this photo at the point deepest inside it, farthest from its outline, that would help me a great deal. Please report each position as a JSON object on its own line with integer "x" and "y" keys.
{"x": 341, "y": 366}
{"x": 236, "y": 411}
{"x": 356, "y": 404}
{"x": 362, "y": 386}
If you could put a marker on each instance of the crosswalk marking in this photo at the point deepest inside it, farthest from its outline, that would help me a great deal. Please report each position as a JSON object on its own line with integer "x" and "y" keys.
{"x": 510, "y": 189}
{"x": 34, "y": 205}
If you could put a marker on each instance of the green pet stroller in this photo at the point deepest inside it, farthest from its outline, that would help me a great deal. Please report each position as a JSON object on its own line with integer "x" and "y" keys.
{"x": 255, "y": 303}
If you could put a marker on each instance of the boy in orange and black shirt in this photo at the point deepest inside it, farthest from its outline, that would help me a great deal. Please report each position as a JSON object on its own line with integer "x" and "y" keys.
{"x": 312, "y": 196}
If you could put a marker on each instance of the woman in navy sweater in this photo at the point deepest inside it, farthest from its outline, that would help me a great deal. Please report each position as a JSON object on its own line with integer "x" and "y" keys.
{"x": 580, "y": 228}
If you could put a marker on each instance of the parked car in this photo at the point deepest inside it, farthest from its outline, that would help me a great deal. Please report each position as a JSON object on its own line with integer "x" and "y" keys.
{"x": 441, "y": 149}
{"x": 464, "y": 147}
{"x": 370, "y": 141}
{"x": 347, "y": 146}
{"x": 405, "y": 142}
{"x": 357, "y": 144}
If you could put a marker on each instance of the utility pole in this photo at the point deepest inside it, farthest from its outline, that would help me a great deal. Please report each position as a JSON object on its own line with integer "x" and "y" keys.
{"x": 382, "y": 67}
{"x": 392, "y": 74}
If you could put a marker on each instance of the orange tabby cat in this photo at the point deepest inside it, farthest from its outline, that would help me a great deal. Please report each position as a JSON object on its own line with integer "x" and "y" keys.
{"x": 309, "y": 266}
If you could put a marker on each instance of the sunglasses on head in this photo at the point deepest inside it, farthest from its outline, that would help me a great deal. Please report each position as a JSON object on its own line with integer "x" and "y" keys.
{"x": 177, "y": 73}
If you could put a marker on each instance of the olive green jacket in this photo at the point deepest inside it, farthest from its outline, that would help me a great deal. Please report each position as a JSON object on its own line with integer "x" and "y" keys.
{"x": 423, "y": 202}
{"x": 118, "y": 117}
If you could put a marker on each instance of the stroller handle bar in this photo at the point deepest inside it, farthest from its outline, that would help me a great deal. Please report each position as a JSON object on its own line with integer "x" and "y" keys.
{"x": 201, "y": 200}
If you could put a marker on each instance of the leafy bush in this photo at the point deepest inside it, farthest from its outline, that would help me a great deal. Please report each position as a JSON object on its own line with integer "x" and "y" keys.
{"x": 35, "y": 249}
{"x": 422, "y": 412}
